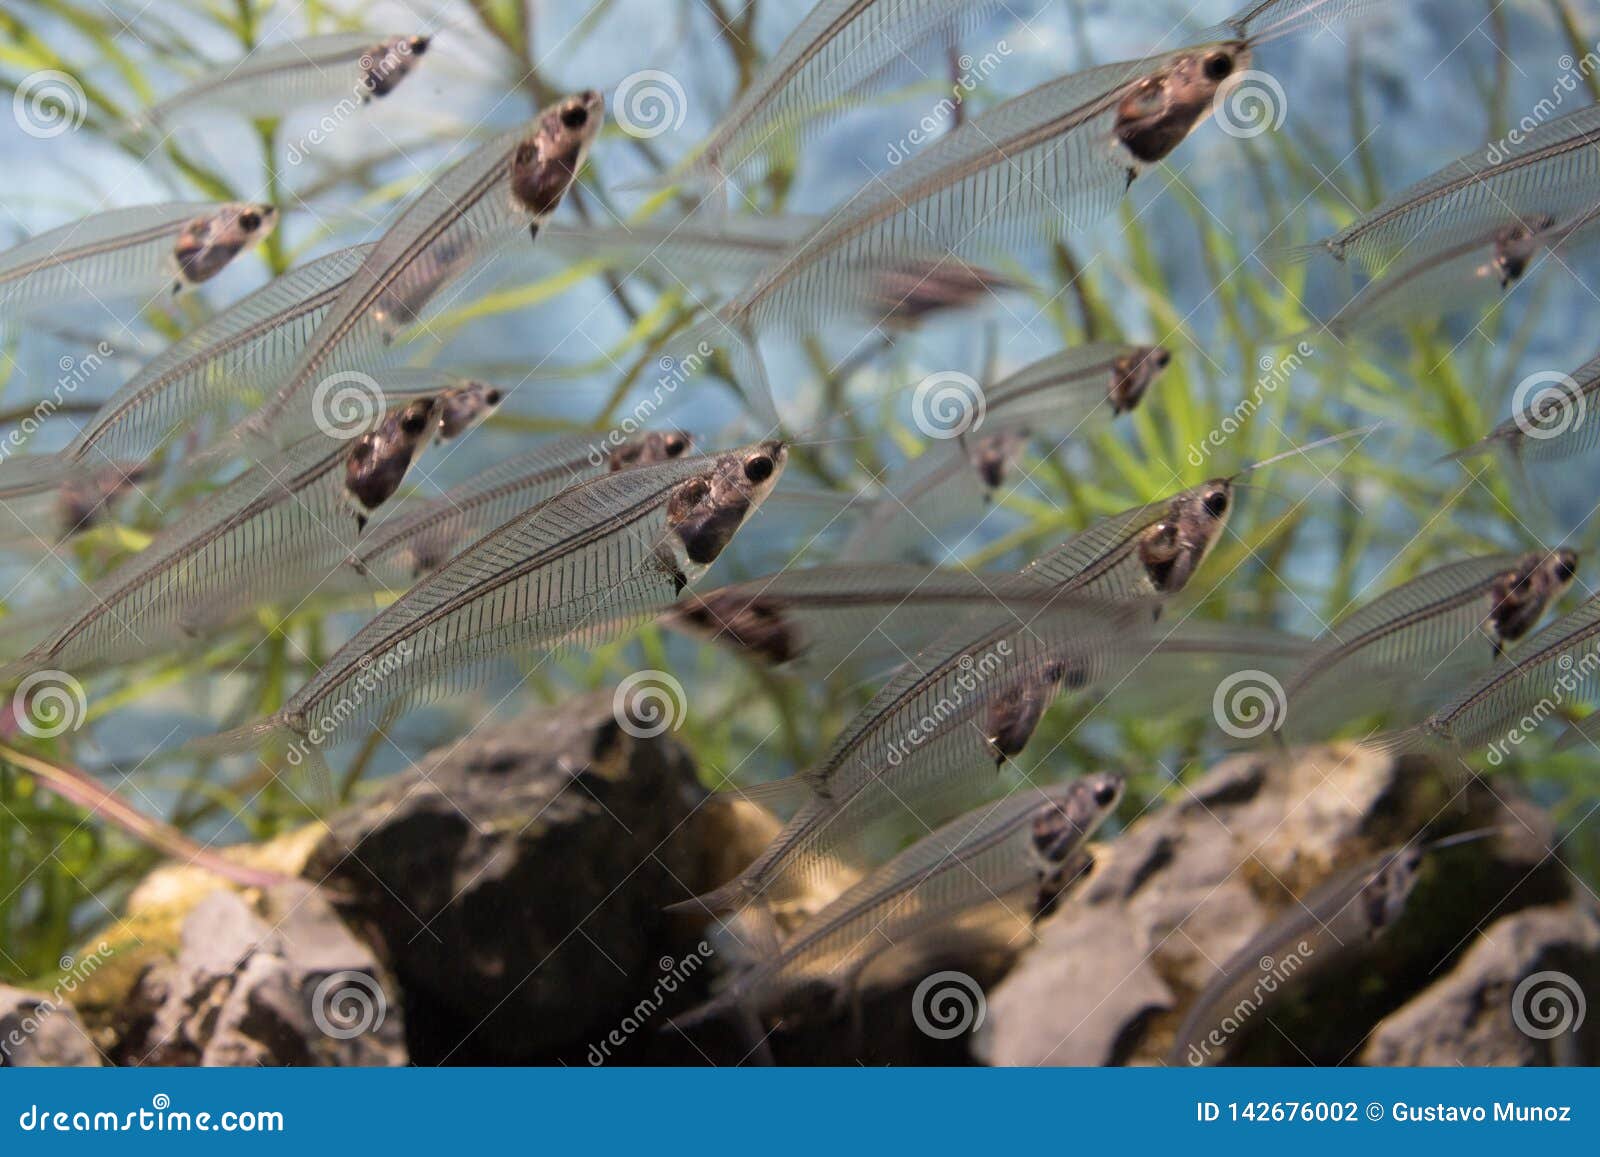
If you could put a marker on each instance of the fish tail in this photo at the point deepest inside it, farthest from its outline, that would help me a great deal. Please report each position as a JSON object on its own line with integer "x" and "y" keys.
{"x": 781, "y": 796}
{"x": 240, "y": 740}
{"x": 35, "y": 473}
{"x": 734, "y": 896}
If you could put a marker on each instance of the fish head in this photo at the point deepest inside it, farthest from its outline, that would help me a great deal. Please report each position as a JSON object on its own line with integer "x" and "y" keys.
{"x": 707, "y": 510}
{"x": 1384, "y": 897}
{"x": 547, "y": 161}
{"x": 1515, "y": 247}
{"x": 754, "y": 625}
{"x": 378, "y": 460}
{"x": 1161, "y": 109}
{"x": 85, "y": 502}
{"x": 1133, "y": 373}
{"x": 1071, "y": 814}
{"x": 648, "y": 449}
{"x": 1520, "y": 596}
{"x": 208, "y": 243}
{"x": 1174, "y": 547}
{"x": 463, "y": 407}
{"x": 385, "y": 65}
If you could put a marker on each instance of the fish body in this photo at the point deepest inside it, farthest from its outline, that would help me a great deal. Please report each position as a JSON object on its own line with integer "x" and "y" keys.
{"x": 513, "y": 182}
{"x": 577, "y": 568}
{"x": 1556, "y": 425}
{"x": 1427, "y": 632}
{"x": 276, "y": 79}
{"x": 124, "y": 253}
{"x": 1015, "y": 853}
{"x": 1326, "y": 930}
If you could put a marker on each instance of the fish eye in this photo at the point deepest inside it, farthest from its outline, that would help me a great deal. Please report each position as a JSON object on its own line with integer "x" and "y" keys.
{"x": 1566, "y": 568}
{"x": 575, "y": 116}
{"x": 492, "y": 397}
{"x": 1217, "y": 503}
{"x": 1218, "y": 66}
{"x": 1105, "y": 795}
{"x": 419, "y": 44}
{"x": 758, "y": 469}
{"x": 1161, "y": 358}
{"x": 250, "y": 220}
{"x": 674, "y": 444}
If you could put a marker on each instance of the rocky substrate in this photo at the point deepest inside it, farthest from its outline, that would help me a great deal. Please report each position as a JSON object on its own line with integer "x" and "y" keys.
{"x": 502, "y": 903}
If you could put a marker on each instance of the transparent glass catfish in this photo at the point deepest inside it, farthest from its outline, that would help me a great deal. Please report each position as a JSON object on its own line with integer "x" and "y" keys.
{"x": 1469, "y": 271}
{"x": 511, "y": 183}
{"x": 1555, "y": 670}
{"x": 422, "y": 535}
{"x": 1328, "y": 930}
{"x": 218, "y": 367}
{"x": 135, "y": 253}
{"x": 581, "y": 567}
{"x": 1560, "y": 421}
{"x": 1427, "y": 634}
{"x": 226, "y": 553}
{"x": 839, "y": 48}
{"x": 274, "y": 79}
{"x": 1551, "y": 172}
{"x": 1056, "y": 158}
{"x": 931, "y": 739}
{"x": 994, "y": 872}
{"x": 1052, "y": 398}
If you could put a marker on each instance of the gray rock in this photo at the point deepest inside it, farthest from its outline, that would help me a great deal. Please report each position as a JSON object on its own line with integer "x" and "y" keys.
{"x": 1185, "y": 888}
{"x": 287, "y": 984}
{"x": 40, "y": 1030}
{"x": 1517, "y": 997}
{"x": 515, "y": 882}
